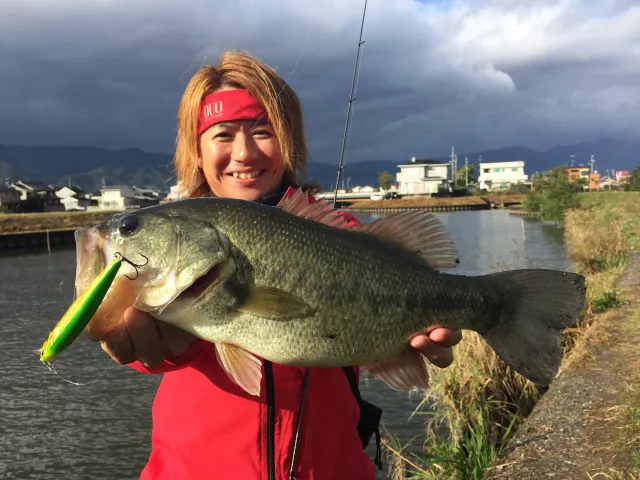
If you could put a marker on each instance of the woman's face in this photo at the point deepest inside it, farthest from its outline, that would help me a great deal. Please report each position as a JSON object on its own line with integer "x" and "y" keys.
{"x": 241, "y": 159}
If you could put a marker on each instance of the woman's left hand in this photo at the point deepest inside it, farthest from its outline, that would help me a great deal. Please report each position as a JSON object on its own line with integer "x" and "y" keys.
{"x": 436, "y": 345}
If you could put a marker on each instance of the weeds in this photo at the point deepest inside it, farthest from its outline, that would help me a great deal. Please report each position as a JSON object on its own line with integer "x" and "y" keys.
{"x": 478, "y": 402}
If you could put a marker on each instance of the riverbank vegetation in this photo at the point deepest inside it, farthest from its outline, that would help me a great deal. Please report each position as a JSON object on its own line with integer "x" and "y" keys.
{"x": 475, "y": 405}
{"x": 40, "y": 222}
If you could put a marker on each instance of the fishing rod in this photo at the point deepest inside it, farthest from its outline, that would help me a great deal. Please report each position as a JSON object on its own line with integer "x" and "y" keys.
{"x": 351, "y": 100}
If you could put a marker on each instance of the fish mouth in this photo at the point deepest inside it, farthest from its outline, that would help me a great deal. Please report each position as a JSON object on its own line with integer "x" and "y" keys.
{"x": 204, "y": 283}
{"x": 90, "y": 258}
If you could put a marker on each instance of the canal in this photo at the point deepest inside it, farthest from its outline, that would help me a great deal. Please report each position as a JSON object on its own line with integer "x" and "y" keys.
{"x": 52, "y": 429}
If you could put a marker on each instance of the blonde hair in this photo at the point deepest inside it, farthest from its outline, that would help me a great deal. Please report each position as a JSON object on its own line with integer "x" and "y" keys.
{"x": 237, "y": 69}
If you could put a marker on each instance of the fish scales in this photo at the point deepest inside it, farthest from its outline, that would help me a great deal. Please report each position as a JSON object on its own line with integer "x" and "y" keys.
{"x": 285, "y": 285}
{"x": 376, "y": 297}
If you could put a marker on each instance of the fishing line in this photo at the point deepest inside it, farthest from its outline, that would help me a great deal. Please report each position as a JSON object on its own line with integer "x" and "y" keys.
{"x": 53, "y": 370}
{"x": 286, "y": 82}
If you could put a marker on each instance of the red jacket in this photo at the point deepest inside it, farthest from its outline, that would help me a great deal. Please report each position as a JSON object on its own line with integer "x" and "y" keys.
{"x": 206, "y": 427}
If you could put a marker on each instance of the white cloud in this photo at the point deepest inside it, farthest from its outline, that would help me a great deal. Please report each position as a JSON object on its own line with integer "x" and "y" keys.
{"x": 474, "y": 74}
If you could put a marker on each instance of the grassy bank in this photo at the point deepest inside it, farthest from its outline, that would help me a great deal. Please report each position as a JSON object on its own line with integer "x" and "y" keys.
{"x": 38, "y": 222}
{"x": 478, "y": 402}
{"x": 599, "y": 237}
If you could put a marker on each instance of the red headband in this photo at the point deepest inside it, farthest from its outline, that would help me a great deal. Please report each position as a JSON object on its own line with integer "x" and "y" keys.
{"x": 229, "y": 105}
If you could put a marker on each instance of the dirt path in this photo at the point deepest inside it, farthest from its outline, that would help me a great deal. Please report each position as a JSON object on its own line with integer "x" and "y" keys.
{"x": 582, "y": 428}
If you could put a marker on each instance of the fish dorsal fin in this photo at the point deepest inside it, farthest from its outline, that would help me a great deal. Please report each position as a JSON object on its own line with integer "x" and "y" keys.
{"x": 242, "y": 367}
{"x": 419, "y": 232}
{"x": 320, "y": 211}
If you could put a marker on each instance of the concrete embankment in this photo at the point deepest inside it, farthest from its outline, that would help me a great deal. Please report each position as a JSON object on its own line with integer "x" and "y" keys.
{"x": 43, "y": 241}
{"x": 580, "y": 429}
{"x": 429, "y": 204}
{"x": 42, "y": 232}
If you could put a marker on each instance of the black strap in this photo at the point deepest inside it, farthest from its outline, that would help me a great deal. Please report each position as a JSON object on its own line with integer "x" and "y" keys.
{"x": 369, "y": 417}
{"x": 271, "y": 419}
{"x": 353, "y": 383}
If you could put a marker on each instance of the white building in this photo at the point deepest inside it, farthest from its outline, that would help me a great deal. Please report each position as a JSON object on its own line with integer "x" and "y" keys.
{"x": 176, "y": 192}
{"x": 73, "y": 198}
{"x": 501, "y": 175}
{"x": 123, "y": 197}
{"x": 423, "y": 177}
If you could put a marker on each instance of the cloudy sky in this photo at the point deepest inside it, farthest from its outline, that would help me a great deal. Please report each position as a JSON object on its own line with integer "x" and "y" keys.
{"x": 474, "y": 74}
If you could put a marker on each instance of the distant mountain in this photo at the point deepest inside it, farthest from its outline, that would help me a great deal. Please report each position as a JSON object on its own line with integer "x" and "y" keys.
{"x": 87, "y": 167}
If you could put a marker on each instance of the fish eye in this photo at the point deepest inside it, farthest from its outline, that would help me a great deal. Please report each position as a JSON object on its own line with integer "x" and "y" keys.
{"x": 128, "y": 225}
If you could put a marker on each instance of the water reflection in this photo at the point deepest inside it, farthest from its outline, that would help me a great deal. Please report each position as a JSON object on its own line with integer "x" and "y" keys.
{"x": 51, "y": 429}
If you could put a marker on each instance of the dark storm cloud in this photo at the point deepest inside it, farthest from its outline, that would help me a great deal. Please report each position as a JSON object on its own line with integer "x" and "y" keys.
{"x": 433, "y": 74}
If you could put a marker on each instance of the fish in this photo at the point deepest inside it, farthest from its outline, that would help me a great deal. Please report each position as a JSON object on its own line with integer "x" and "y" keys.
{"x": 296, "y": 284}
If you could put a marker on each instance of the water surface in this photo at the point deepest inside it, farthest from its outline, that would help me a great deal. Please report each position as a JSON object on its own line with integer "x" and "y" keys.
{"x": 51, "y": 429}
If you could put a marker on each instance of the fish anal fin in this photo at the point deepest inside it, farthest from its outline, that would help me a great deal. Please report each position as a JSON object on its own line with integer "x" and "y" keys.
{"x": 241, "y": 366}
{"x": 320, "y": 211}
{"x": 405, "y": 372}
{"x": 420, "y": 232}
{"x": 270, "y": 302}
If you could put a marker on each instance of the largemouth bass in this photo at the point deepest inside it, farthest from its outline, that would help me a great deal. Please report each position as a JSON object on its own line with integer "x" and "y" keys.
{"x": 296, "y": 285}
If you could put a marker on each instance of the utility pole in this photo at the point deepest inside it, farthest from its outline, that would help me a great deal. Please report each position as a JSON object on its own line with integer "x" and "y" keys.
{"x": 591, "y": 161}
{"x": 572, "y": 159}
{"x": 454, "y": 162}
{"x": 466, "y": 171}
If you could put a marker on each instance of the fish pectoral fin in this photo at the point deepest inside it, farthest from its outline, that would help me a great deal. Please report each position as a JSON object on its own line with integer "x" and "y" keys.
{"x": 419, "y": 232}
{"x": 406, "y": 372}
{"x": 242, "y": 367}
{"x": 273, "y": 303}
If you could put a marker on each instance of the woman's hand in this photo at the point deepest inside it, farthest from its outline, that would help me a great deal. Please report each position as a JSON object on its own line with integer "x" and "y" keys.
{"x": 436, "y": 345}
{"x": 139, "y": 336}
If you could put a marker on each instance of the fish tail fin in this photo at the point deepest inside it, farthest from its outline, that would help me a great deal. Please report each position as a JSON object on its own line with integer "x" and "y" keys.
{"x": 540, "y": 305}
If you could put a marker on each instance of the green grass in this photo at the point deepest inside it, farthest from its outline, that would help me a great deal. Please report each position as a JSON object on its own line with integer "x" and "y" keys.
{"x": 630, "y": 439}
{"x": 478, "y": 401}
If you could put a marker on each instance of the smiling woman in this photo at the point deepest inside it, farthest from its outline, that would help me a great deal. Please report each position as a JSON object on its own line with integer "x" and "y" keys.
{"x": 240, "y": 135}
{"x": 231, "y": 119}
{"x": 240, "y": 158}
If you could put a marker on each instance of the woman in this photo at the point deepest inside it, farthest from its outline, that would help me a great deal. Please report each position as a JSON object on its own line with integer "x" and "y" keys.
{"x": 240, "y": 135}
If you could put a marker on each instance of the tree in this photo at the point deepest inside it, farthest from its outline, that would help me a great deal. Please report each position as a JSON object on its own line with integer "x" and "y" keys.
{"x": 385, "y": 179}
{"x": 461, "y": 174}
{"x": 552, "y": 195}
{"x": 633, "y": 185}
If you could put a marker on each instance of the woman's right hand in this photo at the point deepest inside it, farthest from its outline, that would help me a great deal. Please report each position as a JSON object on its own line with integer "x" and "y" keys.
{"x": 139, "y": 336}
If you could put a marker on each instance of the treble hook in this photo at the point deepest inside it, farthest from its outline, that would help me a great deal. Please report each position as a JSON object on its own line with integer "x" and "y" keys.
{"x": 134, "y": 265}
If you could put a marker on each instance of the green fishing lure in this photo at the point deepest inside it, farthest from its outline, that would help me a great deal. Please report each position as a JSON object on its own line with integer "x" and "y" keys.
{"x": 79, "y": 313}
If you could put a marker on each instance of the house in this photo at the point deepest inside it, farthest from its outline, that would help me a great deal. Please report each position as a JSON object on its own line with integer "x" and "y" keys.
{"x": 423, "y": 177}
{"x": 147, "y": 192}
{"x": 73, "y": 198}
{"x": 622, "y": 176}
{"x": 501, "y": 175}
{"x": 176, "y": 192}
{"x": 592, "y": 180}
{"x": 123, "y": 197}
{"x": 34, "y": 189}
{"x": 607, "y": 183}
{"x": 9, "y": 199}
